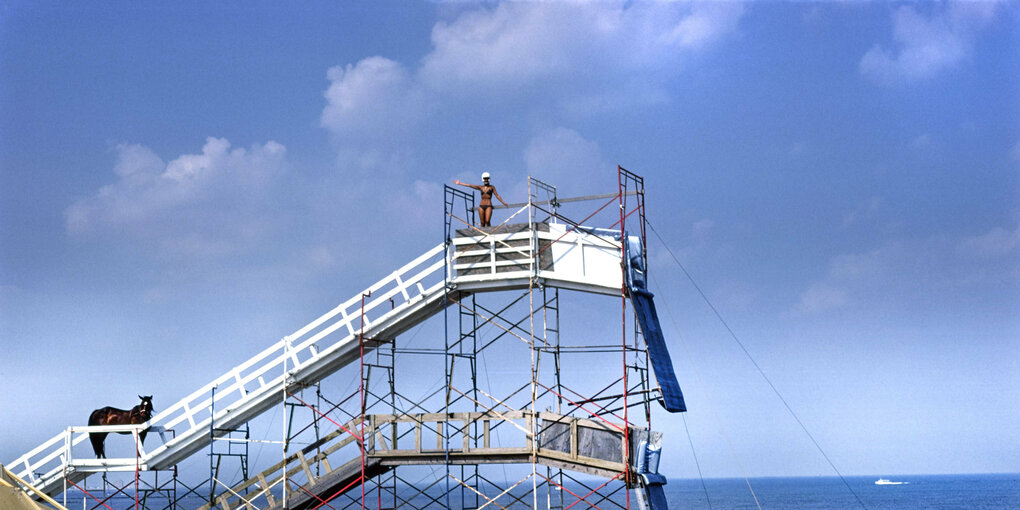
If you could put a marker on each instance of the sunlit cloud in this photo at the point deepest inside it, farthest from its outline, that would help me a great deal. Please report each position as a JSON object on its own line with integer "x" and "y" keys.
{"x": 560, "y": 155}
{"x": 926, "y": 44}
{"x": 578, "y": 47}
{"x": 706, "y": 22}
{"x": 512, "y": 49}
{"x": 900, "y": 271}
{"x": 997, "y": 242}
{"x": 374, "y": 101}
{"x": 866, "y": 211}
{"x": 206, "y": 204}
{"x": 821, "y": 297}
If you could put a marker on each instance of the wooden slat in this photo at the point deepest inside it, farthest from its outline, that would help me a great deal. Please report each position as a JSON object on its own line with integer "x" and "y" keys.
{"x": 306, "y": 468}
{"x": 265, "y": 488}
{"x": 573, "y": 439}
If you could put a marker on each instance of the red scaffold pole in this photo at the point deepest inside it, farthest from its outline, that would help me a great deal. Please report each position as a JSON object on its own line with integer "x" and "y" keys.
{"x": 623, "y": 323}
{"x": 87, "y": 493}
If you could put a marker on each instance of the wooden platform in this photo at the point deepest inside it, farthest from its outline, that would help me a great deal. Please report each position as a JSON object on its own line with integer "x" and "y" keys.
{"x": 586, "y": 446}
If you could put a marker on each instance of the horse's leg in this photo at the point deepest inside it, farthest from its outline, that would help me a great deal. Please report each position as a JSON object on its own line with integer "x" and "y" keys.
{"x": 94, "y": 437}
{"x": 97, "y": 439}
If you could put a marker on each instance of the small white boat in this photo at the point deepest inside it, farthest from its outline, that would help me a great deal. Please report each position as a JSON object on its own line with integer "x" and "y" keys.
{"x": 883, "y": 481}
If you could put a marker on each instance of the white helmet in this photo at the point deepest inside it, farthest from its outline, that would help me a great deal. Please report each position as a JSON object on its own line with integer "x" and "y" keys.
{"x": 485, "y": 175}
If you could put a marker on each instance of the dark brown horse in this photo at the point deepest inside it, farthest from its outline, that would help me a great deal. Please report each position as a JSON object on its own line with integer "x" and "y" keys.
{"x": 111, "y": 416}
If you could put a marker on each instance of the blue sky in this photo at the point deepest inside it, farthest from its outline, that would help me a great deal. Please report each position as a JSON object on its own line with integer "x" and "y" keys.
{"x": 182, "y": 184}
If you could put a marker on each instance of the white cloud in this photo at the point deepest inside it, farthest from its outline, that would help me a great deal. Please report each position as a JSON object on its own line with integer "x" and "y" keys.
{"x": 701, "y": 230}
{"x": 585, "y": 56}
{"x": 318, "y": 258}
{"x": 515, "y": 45}
{"x": 866, "y": 266}
{"x": 376, "y": 186}
{"x": 136, "y": 160}
{"x": 707, "y": 22}
{"x": 375, "y": 99}
{"x": 866, "y": 211}
{"x": 997, "y": 242}
{"x": 507, "y": 47}
{"x": 927, "y": 44}
{"x": 204, "y": 204}
{"x": 821, "y": 297}
{"x": 921, "y": 142}
{"x": 428, "y": 192}
{"x": 562, "y": 154}
{"x": 916, "y": 270}
{"x": 853, "y": 277}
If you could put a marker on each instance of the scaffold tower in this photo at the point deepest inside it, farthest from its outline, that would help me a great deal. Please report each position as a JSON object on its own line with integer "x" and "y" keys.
{"x": 491, "y": 404}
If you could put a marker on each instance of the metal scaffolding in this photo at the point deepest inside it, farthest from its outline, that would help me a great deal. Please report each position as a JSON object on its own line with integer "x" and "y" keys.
{"x": 470, "y": 432}
{"x": 515, "y": 418}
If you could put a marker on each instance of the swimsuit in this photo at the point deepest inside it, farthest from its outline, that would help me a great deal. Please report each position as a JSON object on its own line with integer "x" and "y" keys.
{"x": 486, "y": 192}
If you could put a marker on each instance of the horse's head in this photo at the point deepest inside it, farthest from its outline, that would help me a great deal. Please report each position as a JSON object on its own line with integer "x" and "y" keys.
{"x": 145, "y": 408}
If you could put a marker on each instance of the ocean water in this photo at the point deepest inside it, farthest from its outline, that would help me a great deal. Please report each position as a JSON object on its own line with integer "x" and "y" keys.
{"x": 943, "y": 492}
{"x": 937, "y": 492}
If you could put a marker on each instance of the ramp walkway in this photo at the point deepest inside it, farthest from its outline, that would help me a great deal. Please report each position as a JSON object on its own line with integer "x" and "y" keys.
{"x": 16, "y": 494}
{"x": 577, "y": 444}
{"x": 475, "y": 261}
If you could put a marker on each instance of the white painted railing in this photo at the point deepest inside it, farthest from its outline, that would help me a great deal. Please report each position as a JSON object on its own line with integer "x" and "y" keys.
{"x": 260, "y": 377}
{"x": 75, "y": 435}
{"x": 571, "y": 258}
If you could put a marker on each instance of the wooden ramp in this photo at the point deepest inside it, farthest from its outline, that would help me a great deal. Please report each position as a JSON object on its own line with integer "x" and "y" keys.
{"x": 263, "y": 489}
{"x": 344, "y": 479}
{"x": 565, "y": 442}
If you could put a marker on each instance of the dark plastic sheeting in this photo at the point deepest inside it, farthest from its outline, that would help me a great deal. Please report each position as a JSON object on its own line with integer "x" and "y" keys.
{"x": 644, "y": 308}
{"x": 656, "y": 497}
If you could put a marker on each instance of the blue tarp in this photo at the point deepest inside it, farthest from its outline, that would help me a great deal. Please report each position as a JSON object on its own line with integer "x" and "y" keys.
{"x": 644, "y": 308}
{"x": 656, "y": 497}
{"x": 653, "y": 496}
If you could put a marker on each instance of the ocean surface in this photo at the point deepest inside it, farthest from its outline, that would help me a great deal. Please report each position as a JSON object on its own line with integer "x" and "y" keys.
{"x": 972, "y": 492}
{"x": 928, "y": 491}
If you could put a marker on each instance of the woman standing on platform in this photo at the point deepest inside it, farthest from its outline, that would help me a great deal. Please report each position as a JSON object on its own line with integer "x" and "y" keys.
{"x": 485, "y": 207}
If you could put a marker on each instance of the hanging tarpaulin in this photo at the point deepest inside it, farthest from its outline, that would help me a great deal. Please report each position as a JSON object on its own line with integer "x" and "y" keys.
{"x": 644, "y": 309}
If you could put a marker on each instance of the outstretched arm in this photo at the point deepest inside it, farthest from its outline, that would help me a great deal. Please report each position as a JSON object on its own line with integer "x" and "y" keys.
{"x": 494, "y": 192}
{"x": 475, "y": 186}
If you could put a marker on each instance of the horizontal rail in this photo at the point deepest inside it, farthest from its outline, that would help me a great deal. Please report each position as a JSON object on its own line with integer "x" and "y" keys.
{"x": 137, "y": 427}
{"x": 566, "y": 200}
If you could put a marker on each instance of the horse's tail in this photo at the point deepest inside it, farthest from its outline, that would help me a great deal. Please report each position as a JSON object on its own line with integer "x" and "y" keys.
{"x": 97, "y": 439}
